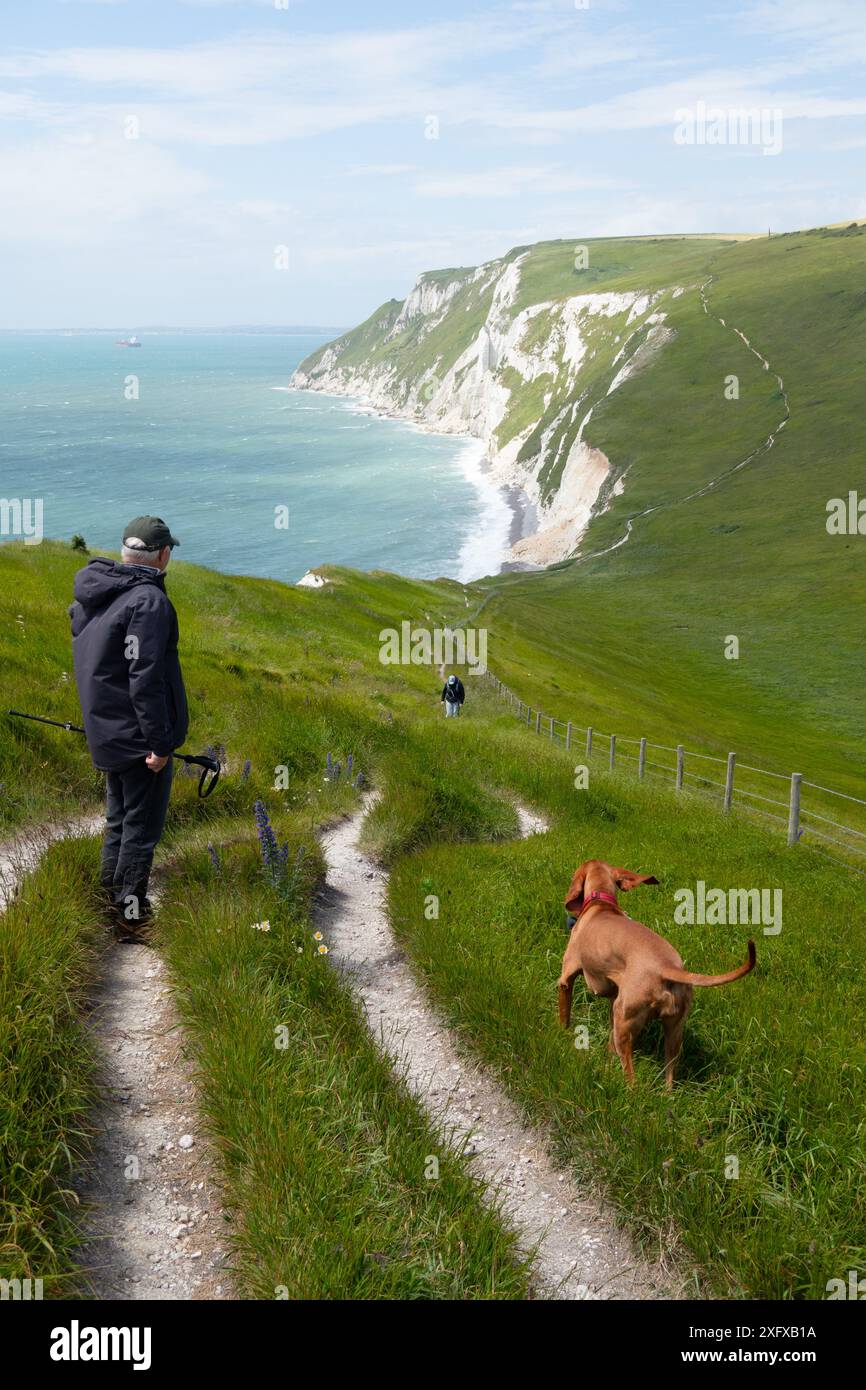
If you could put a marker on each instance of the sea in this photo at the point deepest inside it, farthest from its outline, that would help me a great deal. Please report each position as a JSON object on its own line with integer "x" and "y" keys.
{"x": 253, "y": 477}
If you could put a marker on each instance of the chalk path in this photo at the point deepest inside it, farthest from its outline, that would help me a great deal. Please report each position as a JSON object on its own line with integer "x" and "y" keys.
{"x": 581, "y": 1252}
{"x": 153, "y": 1224}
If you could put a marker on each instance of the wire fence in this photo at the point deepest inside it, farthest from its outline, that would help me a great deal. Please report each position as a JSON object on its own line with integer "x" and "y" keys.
{"x": 734, "y": 785}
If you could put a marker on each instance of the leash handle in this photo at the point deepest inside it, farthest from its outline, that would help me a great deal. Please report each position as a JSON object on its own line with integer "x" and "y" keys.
{"x": 208, "y": 766}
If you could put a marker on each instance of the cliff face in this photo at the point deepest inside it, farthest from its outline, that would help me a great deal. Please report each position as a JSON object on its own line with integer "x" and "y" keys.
{"x": 480, "y": 352}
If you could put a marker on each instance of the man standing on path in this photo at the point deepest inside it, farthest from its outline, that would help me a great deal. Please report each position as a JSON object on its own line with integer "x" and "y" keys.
{"x": 124, "y": 649}
{"x": 453, "y": 694}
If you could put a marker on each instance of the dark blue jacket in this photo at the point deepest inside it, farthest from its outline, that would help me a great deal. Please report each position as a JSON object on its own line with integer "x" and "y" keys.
{"x": 124, "y": 650}
{"x": 455, "y": 694}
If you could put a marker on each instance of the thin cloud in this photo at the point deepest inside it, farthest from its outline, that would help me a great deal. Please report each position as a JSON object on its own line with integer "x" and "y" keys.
{"x": 510, "y": 182}
{"x": 551, "y": 122}
{"x": 380, "y": 170}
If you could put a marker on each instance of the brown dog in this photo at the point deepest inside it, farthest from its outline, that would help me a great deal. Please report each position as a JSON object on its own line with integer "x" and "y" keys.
{"x": 624, "y": 961}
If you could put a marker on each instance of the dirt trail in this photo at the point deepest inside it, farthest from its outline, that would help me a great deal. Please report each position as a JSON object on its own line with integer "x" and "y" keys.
{"x": 155, "y": 1227}
{"x": 762, "y": 448}
{"x": 19, "y": 856}
{"x": 581, "y": 1254}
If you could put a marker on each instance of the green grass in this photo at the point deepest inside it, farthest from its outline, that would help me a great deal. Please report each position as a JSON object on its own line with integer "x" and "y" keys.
{"x": 49, "y": 946}
{"x": 614, "y": 263}
{"x": 772, "y": 1066}
{"x": 259, "y": 658}
{"x": 428, "y": 810}
{"x": 327, "y": 1161}
{"x": 324, "y": 1153}
{"x": 634, "y": 642}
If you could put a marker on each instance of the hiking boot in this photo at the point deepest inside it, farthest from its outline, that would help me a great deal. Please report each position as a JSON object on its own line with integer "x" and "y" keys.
{"x": 140, "y": 937}
{"x": 131, "y": 928}
{"x": 133, "y": 933}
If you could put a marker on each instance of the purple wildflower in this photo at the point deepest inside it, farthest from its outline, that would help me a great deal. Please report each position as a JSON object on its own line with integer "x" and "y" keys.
{"x": 274, "y": 855}
{"x": 267, "y": 838}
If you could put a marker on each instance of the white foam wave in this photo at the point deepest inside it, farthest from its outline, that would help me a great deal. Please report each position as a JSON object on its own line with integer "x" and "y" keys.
{"x": 485, "y": 545}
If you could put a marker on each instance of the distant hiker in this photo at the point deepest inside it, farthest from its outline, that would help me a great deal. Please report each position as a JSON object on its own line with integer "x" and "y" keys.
{"x": 453, "y": 694}
{"x": 124, "y": 649}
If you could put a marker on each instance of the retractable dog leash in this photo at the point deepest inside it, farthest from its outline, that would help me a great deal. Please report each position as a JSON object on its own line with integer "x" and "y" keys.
{"x": 208, "y": 765}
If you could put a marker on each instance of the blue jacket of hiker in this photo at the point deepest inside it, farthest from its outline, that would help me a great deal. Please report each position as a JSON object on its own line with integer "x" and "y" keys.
{"x": 124, "y": 651}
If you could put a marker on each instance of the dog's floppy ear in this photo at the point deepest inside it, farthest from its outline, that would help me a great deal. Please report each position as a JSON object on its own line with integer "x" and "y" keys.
{"x": 625, "y": 880}
{"x": 574, "y": 896}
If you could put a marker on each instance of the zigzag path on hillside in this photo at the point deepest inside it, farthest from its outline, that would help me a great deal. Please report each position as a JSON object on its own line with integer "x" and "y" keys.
{"x": 581, "y": 1253}
{"x": 698, "y": 492}
{"x": 728, "y": 472}
{"x": 162, "y": 1234}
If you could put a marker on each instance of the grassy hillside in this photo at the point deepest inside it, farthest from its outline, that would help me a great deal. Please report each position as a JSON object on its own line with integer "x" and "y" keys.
{"x": 771, "y": 1065}
{"x": 282, "y": 677}
{"x": 323, "y": 1152}
{"x": 633, "y": 641}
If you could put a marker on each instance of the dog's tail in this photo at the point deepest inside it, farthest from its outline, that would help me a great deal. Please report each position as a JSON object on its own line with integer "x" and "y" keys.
{"x": 686, "y": 977}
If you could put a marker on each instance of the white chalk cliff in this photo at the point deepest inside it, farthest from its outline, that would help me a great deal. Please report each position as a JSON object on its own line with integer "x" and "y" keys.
{"x": 466, "y": 354}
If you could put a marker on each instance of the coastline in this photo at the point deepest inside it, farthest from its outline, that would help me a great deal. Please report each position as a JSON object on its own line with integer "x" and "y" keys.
{"x": 490, "y": 537}
{"x": 524, "y": 523}
{"x": 507, "y": 513}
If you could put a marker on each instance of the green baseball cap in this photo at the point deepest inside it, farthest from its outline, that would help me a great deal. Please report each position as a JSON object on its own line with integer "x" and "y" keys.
{"x": 148, "y": 533}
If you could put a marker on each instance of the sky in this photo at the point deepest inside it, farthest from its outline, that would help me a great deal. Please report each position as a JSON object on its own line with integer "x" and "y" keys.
{"x": 213, "y": 162}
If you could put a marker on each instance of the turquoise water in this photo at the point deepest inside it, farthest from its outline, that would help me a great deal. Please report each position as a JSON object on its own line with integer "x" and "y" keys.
{"x": 214, "y": 443}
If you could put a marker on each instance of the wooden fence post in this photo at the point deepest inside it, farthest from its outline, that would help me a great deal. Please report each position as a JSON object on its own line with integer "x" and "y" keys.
{"x": 552, "y": 722}
{"x": 568, "y": 735}
{"x": 729, "y": 781}
{"x": 641, "y": 759}
{"x": 612, "y": 751}
{"x": 589, "y": 743}
{"x": 680, "y": 757}
{"x": 794, "y": 809}
{"x": 538, "y": 721}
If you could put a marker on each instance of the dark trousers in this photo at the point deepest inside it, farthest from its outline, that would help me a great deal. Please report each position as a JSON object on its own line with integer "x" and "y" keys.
{"x": 135, "y": 811}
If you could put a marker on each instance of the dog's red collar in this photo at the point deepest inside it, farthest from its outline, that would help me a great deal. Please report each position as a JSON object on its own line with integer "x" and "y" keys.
{"x": 596, "y": 896}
